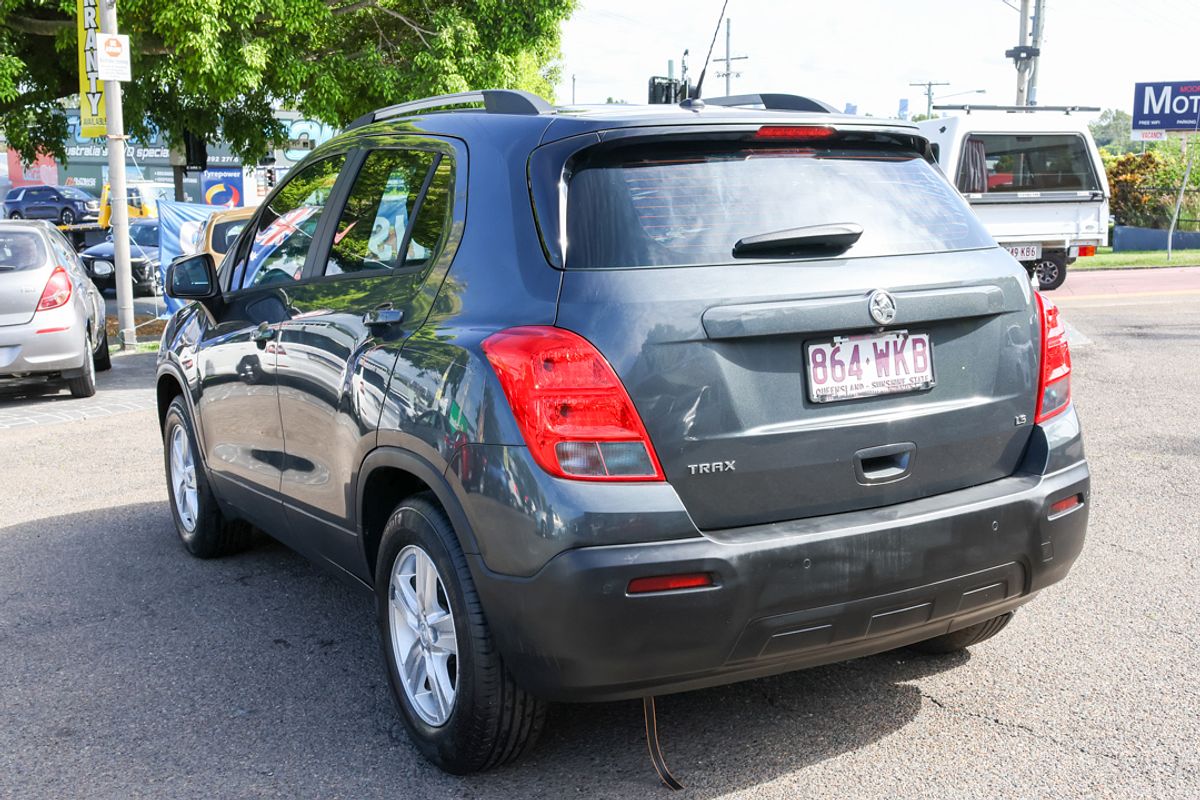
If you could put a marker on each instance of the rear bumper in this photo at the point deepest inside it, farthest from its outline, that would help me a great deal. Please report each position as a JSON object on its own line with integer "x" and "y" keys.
{"x": 25, "y": 351}
{"x": 787, "y": 596}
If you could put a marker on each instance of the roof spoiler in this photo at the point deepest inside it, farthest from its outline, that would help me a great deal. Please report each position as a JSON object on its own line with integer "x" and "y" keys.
{"x": 774, "y": 102}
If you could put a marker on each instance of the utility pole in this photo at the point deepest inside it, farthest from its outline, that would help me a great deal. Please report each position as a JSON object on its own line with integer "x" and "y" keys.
{"x": 572, "y": 88}
{"x": 929, "y": 94}
{"x": 1025, "y": 55}
{"x": 1039, "y": 16}
{"x": 118, "y": 194}
{"x": 729, "y": 59}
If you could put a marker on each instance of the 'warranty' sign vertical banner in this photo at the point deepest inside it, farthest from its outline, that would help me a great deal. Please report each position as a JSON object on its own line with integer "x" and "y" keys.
{"x": 91, "y": 88}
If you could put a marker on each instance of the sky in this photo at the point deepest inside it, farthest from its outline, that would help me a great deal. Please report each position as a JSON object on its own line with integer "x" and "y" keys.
{"x": 866, "y": 52}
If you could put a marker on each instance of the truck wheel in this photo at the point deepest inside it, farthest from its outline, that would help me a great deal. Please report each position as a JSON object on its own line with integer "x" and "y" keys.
{"x": 1051, "y": 271}
{"x": 962, "y": 639}
{"x": 461, "y": 707}
{"x": 202, "y": 528}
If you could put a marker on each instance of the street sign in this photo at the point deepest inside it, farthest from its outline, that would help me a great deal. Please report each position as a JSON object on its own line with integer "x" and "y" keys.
{"x": 112, "y": 57}
{"x": 1173, "y": 106}
{"x": 1148, "y": 136}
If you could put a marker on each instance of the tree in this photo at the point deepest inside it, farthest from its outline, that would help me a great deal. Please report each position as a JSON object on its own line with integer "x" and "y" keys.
{"x": 1112, "y": 131}
{"x": 223, "y": 65}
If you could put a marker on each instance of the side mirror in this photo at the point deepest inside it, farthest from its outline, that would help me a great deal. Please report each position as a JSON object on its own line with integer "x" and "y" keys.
{"x": 192, "y": 277}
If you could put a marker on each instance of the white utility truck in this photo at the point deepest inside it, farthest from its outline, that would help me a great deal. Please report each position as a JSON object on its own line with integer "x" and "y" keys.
{"x": 1033, "y": 176}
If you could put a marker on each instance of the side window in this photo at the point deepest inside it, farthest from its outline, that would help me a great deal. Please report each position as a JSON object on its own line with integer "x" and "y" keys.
{"x": 375, "y": 222}
{"x": 285, "y": 228}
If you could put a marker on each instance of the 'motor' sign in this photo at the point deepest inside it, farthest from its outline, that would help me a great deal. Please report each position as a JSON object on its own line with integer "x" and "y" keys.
{"x": 1166, "y": 106}
{"x": 91, "y": 88}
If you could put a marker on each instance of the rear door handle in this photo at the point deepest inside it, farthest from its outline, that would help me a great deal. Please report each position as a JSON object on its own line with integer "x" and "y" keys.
{"x": 383, "y": 316}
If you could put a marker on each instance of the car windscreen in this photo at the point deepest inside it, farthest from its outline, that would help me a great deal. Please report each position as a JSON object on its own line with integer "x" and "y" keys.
{"x": 689, "y": 204}
{"x": 20, "y": 250}
{"x": 144, "y": 235}
{"x": 75, "y": 194}
{"x": 1015, "y": 162}
{"x": 224, "y": 234}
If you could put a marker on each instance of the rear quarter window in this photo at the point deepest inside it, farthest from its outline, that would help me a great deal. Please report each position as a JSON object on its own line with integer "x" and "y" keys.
{"x": 20, "y": 250}
{"x": 687, "y": 205}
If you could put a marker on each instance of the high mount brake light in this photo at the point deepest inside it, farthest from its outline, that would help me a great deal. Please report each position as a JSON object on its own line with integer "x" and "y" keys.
{"x": 1054, "y": 384}
{"x": 794, "y": 132}
{"x": 573, "y": 410}
{"x": 57, "y": 291}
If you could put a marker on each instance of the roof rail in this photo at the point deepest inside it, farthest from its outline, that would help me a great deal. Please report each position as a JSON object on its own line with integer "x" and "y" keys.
{"x": 1013, "y": 109}
{"x": 494, "y": 101}
{"x": 774, "y": 102}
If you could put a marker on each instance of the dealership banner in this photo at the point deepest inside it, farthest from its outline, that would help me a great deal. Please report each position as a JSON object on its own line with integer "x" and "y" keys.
{"x": 92, "y": 118}
{"x": 222, "y": 187}
{"x": 178, "y": 233}
{"x": 1173, "y": 106}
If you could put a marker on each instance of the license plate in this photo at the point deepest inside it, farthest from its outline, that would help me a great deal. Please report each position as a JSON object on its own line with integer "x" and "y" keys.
{"x": 1025, "y": 252}
{"x": 869, "y": 365}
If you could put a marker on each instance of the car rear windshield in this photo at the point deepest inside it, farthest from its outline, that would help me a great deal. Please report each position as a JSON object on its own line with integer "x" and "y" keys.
{"x": 20, "y": 250}
{"x": 688, "y": 205}
{"x": 1014, "y": 162}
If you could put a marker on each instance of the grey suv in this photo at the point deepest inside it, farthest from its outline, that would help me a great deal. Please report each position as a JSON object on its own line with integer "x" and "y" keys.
{"x": 614, "y": 402}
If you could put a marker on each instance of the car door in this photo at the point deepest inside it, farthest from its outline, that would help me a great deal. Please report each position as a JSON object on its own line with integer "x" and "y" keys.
{"x": 89, "y": 296}
{"x": 238, "y": 405}
{"x": 38, "y": 203}
{"x": 371, "y": 286}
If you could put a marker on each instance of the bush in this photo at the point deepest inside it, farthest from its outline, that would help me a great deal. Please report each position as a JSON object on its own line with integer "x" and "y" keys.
{"x": 1137, "y": 196}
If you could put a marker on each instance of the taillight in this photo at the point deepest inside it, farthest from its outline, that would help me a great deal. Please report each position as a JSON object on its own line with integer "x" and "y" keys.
{"x": 1054, "y": 385}
{"x": 573, "y": 410}
{"x": 1086, "y": 250}
{"x": 794, "y": 132}
{"x": 57, "y": 291}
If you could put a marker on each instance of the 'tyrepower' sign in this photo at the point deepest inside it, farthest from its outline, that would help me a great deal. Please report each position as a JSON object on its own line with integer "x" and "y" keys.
{"x": 1166, "y": 106}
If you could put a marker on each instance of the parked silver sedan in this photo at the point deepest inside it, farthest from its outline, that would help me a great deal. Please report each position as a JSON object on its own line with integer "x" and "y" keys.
{"x": 51, "y": 314}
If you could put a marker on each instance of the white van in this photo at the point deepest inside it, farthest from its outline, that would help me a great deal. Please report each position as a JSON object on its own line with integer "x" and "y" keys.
{"x": 1035, "y": 180}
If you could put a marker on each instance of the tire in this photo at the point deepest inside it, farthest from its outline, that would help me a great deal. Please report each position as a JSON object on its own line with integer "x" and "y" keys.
{"x": 85, "y": 384}
{"x": 966, "y": 637}
{"x": 201, "y": 526}
{"x": 101, "y": 358}
{"x": 488, "y": 719}
{"x": 67, "y": 217}
{"x": 1051, "y": 271}
{"x": 15, "y": 215}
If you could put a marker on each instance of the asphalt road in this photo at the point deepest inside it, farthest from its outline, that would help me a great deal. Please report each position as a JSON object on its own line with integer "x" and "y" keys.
{"x": 128, "y": 669}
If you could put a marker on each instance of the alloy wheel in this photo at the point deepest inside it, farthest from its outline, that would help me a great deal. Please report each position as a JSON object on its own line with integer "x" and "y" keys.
{"x": 1047, "y": 272}
{"x": 424, "y": 642}
{"x": 183, "y": 478}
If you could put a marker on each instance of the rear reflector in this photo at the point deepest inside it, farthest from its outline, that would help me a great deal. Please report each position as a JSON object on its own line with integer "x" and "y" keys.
{"x": 573, "y": 410}
{"x": 794, "y": 132}
{"x": 1087, "y": 250}
{"x": 1054, "y": 385}
{"x": 670, "y": 583}
{"x": 52, "y": 330}
{"x": 57, "y": 291}
{"x": 1066, "y": 504}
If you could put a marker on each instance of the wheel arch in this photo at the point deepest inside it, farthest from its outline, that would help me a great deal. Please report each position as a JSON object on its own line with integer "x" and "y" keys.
{"x": 387, "y": 476}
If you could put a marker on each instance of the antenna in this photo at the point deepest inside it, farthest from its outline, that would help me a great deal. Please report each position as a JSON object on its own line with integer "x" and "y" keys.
{"x": 694, "y": 101}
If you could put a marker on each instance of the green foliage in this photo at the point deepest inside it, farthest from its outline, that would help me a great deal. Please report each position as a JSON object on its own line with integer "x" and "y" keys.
{"x": 1112, "y": 131}
{"x": 209, "y": 65}
{"x": 1144, "y": 186}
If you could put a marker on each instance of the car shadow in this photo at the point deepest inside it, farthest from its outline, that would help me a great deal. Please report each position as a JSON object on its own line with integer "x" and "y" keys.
{"x": 130, "y": 372}
{"x": 260, "y": 673}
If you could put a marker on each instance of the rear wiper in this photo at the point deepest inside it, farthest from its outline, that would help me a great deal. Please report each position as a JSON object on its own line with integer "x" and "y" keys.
{"x": 810, "y": 240}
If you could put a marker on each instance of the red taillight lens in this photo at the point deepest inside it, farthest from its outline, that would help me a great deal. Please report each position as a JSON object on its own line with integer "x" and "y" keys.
{"x": 669, "y": 583}
{"x": 1086, "y": 250}
{"x": 57, "y": 291}
{"x": 573, "y": 410}
{"x": 1054, "y": 386}
{"x": 794, "y": 132}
